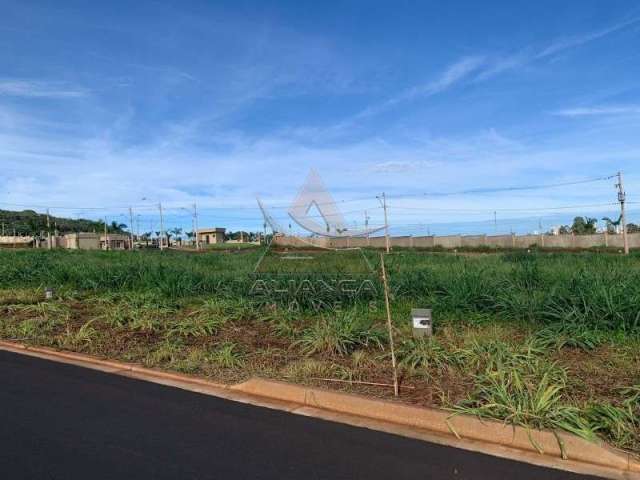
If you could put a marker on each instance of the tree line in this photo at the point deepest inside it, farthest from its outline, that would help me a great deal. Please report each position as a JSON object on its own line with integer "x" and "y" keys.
{"x": 589, "y": 225}
{"x": 32, "y": 224}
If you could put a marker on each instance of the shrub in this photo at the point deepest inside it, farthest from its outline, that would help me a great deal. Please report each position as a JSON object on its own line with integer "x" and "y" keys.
{"x": 339, "y": 335}
{"x": 227, "y": 356}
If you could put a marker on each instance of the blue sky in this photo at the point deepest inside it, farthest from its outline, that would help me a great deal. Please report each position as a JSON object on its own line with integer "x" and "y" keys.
{"x": 103, "y": 104}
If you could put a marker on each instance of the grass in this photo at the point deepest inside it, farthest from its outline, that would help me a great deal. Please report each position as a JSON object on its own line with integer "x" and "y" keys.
{"x": 542, "y": 340}
{"x": 339, "y": 335}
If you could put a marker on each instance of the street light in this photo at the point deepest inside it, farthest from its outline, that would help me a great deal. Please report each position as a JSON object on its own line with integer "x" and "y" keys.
{"x": 161, "y": 239}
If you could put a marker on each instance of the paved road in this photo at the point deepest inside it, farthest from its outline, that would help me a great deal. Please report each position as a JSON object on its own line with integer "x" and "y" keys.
{"x": 64, "y": 422}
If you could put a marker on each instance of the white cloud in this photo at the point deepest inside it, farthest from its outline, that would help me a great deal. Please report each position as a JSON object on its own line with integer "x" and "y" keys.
{"x": 37, "y": 89}
{"x": 504, "y": 63}
{"x": 83, "y": 172}
{"x": 402, "y": 166}
{"x": 479, "y": 68}
{"x": 451, "y": 76}
{"x": 598, "y": 111}
{"x": 454, "y": 74}
{"x": 562, "y": 44}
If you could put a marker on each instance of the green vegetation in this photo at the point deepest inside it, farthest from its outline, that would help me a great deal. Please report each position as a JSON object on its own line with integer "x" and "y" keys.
{"x": 30, "y": 223}
{"x": 543, "y": 340}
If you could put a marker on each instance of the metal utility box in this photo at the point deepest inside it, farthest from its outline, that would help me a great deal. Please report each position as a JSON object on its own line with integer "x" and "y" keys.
{"x": 422, "y": 322}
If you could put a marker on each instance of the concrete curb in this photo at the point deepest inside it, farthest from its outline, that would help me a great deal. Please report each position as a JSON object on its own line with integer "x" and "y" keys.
{"x": 441, "y": 422}
{"x": 433, "y": 425}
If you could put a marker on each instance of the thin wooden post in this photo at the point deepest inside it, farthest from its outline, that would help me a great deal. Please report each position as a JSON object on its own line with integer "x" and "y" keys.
{"x": 389, "y": 326}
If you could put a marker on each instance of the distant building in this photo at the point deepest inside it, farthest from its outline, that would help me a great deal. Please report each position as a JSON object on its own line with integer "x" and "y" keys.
{"x": 114, "y": 241}
{"x": 240, "y": 238}
{"x": 16, "y": 241}
{"x": 56, "y": 241}
{"x": 82, "y": 241}
{"x": 95, "y": 241}
{"x": 207, "y": 236}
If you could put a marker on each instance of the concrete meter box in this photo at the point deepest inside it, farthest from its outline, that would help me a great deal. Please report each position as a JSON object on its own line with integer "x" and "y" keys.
{"x": 422, "y": 322}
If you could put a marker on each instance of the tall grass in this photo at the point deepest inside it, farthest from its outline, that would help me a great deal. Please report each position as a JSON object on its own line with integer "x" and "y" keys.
{"x": 594, "y": 289}
{"x": 599, "y": 290}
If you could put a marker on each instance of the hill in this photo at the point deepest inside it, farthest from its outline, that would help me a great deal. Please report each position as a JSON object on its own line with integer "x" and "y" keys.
{"x": 31, "y": 223}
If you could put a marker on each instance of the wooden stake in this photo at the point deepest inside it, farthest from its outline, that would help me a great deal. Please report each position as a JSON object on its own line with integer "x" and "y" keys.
{"x": 389, "y": 326}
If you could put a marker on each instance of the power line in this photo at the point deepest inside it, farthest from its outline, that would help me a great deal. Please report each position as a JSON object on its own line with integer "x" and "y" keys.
{"x": 358, "y": 199}
{"x": 491, "y": 210}
{"x": 503, "y": 189}
{"x": 59, "y": 207}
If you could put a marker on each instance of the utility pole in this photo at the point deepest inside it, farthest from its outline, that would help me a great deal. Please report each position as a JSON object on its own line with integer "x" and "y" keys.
{"x": 383, "y": 201}
{"x": 131, "y": 228}
{"x": 193, "y": 227}
{"x": 622, "y": 196}
{"x": 3, "y": 229}
{"x": 195, "y": 219}
{"x": 161, "y": 227}
{"x": 366, "y": 223}
{"x": 106, "y": 235}
{"x": 48, "y": 231}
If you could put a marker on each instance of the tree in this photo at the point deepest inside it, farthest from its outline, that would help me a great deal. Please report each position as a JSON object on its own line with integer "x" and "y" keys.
{"x": 116, "y": 227}
{"x": 176, "y": 232}
{"x": 146, "y": 236}
{"x": 612, "y": 226}
{"x": 584, "y": 225}
{"x": 633, "y": 228}
{"x": 31, "y": 223}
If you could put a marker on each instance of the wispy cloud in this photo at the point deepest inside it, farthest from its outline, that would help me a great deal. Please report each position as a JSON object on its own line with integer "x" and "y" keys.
{"x": 403, "y": 166}
{"x": 504, "y": 63}
{"x": 475, "y": 68}
{"x": 595, "y": 111}
{"x": 577, "y": 40}
{"x": 451, "y": 76}
{"x": 38, "y": 89}
{"x": 484, "y": 67}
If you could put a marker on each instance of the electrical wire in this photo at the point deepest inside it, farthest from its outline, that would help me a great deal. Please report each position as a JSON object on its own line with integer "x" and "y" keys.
{"x": 505, "y": 189}
{"x": 537, "y": 209}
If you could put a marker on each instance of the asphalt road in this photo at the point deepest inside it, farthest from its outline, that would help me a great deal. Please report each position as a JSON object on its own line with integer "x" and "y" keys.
{"x": 63, "y": 422}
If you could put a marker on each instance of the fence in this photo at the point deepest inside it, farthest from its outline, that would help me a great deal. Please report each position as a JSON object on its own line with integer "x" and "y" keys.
{"x": 469, "y": 241}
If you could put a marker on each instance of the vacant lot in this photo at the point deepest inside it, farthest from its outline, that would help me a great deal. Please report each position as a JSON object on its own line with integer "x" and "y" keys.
{"x": 538, "y": 339}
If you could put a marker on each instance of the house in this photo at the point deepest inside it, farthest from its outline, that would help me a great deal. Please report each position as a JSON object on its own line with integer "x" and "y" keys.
{"x": 82, "y": 241}
{"x": 16, "y": 241}
{"x": 95, "y": 241}
{"x": 207, "y": 236}
{"x": 53, "y": 241}
{"x": 114, "y": 241}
